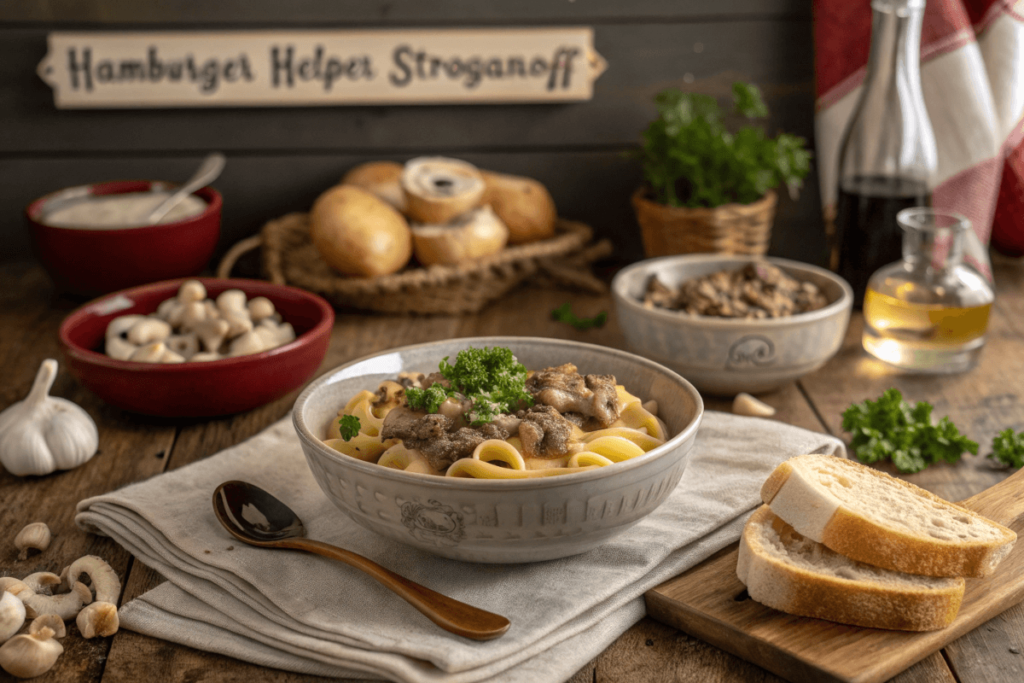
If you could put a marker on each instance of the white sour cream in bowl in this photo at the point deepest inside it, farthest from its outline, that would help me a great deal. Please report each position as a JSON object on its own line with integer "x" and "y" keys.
{"x": 117, "y": 211}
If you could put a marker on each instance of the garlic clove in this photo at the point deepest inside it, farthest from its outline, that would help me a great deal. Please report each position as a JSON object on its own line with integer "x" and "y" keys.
{"x": 745, "y": 404}
{"x": 65, "y": 605}
{"x": 44, "y": 433}
{"x": 50, "y": 621}
{"x": 30, "y": 654}
{"x": 12, "y": 615}
{"x": 15, "y": 587}
{"x": 40, "y": 582}
{"x": 35, "y": 536}
{"x": 101, "y": 575}
{"x": 98, "y": 619}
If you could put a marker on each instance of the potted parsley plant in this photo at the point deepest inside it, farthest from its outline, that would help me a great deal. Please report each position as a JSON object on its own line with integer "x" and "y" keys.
{"x": 708, "y": 189}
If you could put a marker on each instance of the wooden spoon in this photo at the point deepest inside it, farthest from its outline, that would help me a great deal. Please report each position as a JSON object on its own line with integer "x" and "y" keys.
{"x": 254, "y": 516}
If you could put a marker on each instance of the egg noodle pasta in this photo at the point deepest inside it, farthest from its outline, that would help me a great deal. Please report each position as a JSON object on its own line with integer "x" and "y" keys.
{"x": 632, "y": 430}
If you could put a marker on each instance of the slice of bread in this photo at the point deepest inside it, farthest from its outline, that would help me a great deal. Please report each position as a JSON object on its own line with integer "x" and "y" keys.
{"x": 791, "y": 573}
{"x": 872, "y": 517}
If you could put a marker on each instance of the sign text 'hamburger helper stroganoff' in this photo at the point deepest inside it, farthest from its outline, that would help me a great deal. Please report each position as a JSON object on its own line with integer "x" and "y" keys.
{"x": 298, "y": 68}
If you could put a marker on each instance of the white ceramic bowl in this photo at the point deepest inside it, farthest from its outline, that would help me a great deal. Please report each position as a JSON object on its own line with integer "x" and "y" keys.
{"x": 506, "y": 521}
{"x": 725, "y": 356}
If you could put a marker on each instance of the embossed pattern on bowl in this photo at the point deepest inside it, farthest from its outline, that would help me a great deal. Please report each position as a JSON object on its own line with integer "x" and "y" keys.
{"x": 725, "y": 356}
{"x": 500, "y": 521}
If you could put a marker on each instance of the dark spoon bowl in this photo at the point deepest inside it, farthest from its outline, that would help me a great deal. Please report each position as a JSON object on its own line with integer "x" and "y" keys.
{"x": 256, "y": 517}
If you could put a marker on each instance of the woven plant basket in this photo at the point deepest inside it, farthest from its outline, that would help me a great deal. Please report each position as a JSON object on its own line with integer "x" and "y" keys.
{"x": 288, "y": 257}
{"x": 727, "y": 229}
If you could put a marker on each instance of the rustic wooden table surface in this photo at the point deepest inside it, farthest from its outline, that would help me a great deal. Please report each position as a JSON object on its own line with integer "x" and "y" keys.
{"x": 981, "y": 402}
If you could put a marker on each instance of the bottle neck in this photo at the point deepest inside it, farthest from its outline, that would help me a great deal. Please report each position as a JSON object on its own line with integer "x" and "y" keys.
{"x": 889, "y": 134}
{"x": 933, "y": 251}
{"x": 894, "y": 63}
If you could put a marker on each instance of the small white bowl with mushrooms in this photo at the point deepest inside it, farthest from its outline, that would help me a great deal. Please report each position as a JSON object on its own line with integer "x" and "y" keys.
{"x": 731, "y": 323}
{"x": 197, "y": 347}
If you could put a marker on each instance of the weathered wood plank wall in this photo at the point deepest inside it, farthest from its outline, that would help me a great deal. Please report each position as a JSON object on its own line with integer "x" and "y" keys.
{"x": 281, "y": 159}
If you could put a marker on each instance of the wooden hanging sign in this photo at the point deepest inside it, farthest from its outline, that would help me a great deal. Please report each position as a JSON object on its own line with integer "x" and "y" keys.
{"x": 320, "y": 68}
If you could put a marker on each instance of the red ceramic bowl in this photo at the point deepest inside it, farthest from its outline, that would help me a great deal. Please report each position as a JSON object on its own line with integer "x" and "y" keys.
{"x": 91, "y": 262}
{"x": 197, "y": 389}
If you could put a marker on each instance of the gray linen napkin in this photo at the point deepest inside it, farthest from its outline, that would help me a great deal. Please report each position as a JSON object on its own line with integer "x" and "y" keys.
{"x": 304, "y": 613}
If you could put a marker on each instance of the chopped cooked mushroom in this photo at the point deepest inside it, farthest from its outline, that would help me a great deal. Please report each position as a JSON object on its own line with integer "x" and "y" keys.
{"x": 564, "y": 389}
{"x": 756, "y": 291}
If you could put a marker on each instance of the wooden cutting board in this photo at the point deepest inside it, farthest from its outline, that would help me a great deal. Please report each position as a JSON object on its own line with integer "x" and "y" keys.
{"x": 709, "y": 602}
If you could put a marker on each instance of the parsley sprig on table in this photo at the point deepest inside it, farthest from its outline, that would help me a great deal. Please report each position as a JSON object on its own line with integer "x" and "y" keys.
{"x": 564, "y": 314}
{"x": 1008, "y": 448}
{"x": 349, "y": 427}
{"x": 491, "y": 378}
{"x": 889, "y": 429}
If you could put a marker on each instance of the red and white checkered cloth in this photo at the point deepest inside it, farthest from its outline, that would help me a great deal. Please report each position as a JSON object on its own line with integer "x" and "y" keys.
{"x": 972, "y": 76}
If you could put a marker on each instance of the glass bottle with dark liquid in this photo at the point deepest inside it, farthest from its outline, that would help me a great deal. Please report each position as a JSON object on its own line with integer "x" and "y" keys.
{"x": 887, "y": 155}
{"x": 866, "y": 224}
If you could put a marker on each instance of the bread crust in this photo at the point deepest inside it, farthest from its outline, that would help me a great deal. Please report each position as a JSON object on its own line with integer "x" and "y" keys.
{"x": 524, "y": 205}
{"x": 799, "y": 591}
{"x": 771, "y": 486}
{"x": 868, "y": 541}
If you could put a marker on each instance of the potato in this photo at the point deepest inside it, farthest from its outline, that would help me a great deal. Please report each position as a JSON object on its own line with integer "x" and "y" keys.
{"x": 379, "y": 178}
{"x": 523, "y": 204}
{"x": 358, "y": 234}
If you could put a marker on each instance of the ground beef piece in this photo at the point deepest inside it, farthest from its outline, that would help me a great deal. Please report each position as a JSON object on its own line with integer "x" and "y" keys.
{"x": 544, "y": 432}
{"x": 564, "y": 389}
{"x": 405, "y": 424}
{"x": 435, "y": 435}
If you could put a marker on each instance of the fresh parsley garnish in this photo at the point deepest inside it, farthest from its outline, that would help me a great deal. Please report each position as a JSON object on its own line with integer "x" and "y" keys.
{"x": 564, "y": 314}
{"x": 491, "y": 378}
{"x": 889, "y": 429}
{"x": 1008, "y": 448}
{"x": 429, "y": 399}
{"x": 349, "y": 426}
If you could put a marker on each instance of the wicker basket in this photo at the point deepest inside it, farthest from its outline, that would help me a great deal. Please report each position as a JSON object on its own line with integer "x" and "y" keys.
{"x": 728, "y": 229}
{"x": 288, "y": 257}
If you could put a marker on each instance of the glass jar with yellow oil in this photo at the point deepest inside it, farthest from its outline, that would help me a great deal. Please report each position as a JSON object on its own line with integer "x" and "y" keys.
{"x": 928, "y": 312}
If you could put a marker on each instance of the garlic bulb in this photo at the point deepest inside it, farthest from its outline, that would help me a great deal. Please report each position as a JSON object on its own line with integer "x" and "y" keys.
{"x": 44, "y": 433}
